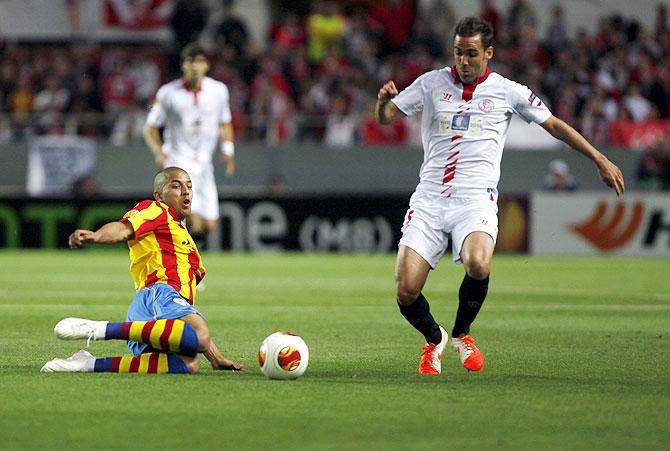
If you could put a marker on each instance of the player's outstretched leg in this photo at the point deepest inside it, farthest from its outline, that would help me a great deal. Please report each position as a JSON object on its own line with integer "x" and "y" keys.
{"x": 150, "y": 363}
{"x": 169, "y": 335}
{"x": 471, "y": 296}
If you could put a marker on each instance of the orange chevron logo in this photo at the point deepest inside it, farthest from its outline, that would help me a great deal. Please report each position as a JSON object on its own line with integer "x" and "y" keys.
{"x": 607, "y": 234}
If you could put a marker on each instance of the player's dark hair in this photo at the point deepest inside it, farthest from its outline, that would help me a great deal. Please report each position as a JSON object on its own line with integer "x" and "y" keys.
{"x": 469, "y": 27}
{"x": 191, "y": 51}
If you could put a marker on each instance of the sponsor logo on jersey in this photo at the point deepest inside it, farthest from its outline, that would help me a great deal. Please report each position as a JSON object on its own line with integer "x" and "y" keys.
{"x": 460, "y": 122}
{"x": 446, "y": 97}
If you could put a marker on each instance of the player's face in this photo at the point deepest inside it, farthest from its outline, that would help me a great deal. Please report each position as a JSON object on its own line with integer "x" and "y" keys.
{"x": 195, "y": 68}
{"x": 177, "y": 193}
{"x": 471, "y": 57}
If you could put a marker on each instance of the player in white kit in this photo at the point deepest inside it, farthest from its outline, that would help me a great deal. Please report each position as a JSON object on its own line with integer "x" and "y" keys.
{"x": 195, "y": 113}
{"x": 466, "y": 110}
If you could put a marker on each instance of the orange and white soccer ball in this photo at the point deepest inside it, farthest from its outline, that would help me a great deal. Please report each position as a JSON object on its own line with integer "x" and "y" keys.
{"x": 283, "y": 355}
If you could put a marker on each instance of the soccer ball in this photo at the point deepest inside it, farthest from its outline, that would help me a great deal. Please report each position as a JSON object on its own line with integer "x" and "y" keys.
{"x": 283, "y": 355}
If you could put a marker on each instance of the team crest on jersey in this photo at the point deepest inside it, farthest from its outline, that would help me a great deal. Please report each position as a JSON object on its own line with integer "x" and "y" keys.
{"x": 486, "y": 105}
{"x": 131, "y": 213}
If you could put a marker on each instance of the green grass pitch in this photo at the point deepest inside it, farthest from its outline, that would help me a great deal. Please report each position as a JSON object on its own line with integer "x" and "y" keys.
{"x": 577, "y": 357}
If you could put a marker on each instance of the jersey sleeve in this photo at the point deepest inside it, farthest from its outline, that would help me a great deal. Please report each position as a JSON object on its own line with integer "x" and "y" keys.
{"x": 225, "y": 117}
{"x": 526, "y": 104}
{"x": 143, "y": 217}
{"x": 410, "y": 99}
{"x": 157, "y": 115}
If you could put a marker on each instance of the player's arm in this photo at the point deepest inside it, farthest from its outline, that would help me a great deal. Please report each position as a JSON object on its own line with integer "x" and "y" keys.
{"x": 152, "y": 136}
{"x": 609, "y": 172}
{"x": 385, "y": 110}
{"x": 218, "y": 361}
{"x": 112, "y": 232}
{"x": 226, "y": 137}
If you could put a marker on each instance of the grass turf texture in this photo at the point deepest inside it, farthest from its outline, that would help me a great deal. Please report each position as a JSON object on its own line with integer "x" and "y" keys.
{"x": 577, "y": 357}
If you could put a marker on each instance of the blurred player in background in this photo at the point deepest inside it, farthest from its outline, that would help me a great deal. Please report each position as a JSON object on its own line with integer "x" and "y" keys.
{"x": 165, "y": 332}
{"x": 195, "y": 114}
{"x": 466, "y": 112}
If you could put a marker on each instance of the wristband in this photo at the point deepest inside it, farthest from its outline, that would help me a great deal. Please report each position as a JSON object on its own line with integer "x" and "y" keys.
{"x": 228, "y": 148}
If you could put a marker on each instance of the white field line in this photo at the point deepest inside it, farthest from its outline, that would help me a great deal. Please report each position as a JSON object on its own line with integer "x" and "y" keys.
{"x": 562, "y": 291}
{"x": 370, "y": 308}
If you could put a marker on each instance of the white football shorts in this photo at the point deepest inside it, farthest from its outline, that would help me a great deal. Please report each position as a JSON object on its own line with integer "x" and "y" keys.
{"x": 432, "y": 220}
{"x": 205, "y": 201}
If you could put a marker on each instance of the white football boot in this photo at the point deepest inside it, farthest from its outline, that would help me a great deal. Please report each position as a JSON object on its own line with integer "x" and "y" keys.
{"x": 80, "y": 329}
{"x": 80, "y": 362}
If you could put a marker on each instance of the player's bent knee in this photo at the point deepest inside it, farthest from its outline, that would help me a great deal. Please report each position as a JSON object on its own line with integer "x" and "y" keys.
{"x": 478, "y": 269}
{"x": 406, "y": 293}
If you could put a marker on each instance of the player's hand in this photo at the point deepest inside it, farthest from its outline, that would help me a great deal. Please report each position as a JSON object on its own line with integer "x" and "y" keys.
{"x": 160, "y": 159}
{"x": 80, "y": 237}
{"x": 229, "y": 161}
{"x": 224, "y": 364}
{"x": 612, "y": 176}
{"x": 387, "y": 92}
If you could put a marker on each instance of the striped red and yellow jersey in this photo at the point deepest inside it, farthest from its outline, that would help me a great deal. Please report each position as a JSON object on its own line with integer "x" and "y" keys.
{"x": 162, "y": 250}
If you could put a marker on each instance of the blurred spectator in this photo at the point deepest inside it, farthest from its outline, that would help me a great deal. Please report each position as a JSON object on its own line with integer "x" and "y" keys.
{"x": 189, "y": 18}
{"x": 232, "y": 30}
{"x": 557, "y": 31}
{"x": 593, "y": 123}
{"x": 51, "y": 101}
{"x": 635, "y": 106}
{"x": 85, "y": 105}
{"x": 20, "y": 99}
{"x": 519, "y": 15}
{"x": 648, "y": 77}
{"x": 118, "y": 92}
{"x": 393, "y": 20}
{"x": 489, "y": 13}
{"x": 325, "y": 30}
{"x": 290, "y": 33}
{"x": 559, "y": 178}
{"x": 375, "y": 134}
{"x": 21, "y": 105}
{"x": 8, "y": 77}
{"x": 440, "y": 17}
{"x": 358, "y": 36}
{"x": 146, "y": 75}
{"x": 340, "y": 124}
{"x": 118, "y": 89}
{"x": 424, "y": 39}
{"x": 339, "y": 50}
{"x": 654, "y": 169}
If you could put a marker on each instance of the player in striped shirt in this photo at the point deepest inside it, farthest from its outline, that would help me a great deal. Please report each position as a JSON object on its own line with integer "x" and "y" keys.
{"x": 164, "y": 330}
{"x": 466, "y": 110}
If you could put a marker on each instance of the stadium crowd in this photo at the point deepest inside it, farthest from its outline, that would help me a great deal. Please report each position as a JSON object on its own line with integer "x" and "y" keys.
{"x": 316, "y": 76}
